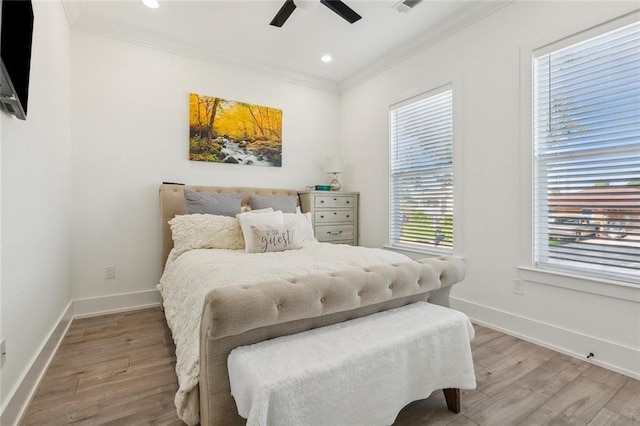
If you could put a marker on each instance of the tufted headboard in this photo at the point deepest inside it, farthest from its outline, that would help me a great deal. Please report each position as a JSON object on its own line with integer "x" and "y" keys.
{"x": 172, "y": 203}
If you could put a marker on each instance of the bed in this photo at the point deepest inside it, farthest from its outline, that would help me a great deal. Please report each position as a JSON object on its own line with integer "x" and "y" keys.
{"x": 216, "y": 299}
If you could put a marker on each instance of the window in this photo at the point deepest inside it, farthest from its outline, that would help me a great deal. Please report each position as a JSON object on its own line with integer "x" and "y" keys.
{"x": 587, "y": 156}
{"x": 421, "y": 169}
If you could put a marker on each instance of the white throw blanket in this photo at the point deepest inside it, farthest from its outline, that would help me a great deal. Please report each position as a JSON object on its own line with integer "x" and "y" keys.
{"x": 359, "y": 372}
{"x": 186, "y": 281}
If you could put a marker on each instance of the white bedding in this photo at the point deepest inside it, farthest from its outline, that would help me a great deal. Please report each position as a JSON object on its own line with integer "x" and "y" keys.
{"x": 193, "y": 274}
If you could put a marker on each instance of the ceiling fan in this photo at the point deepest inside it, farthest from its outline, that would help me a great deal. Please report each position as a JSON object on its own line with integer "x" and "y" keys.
{"x": 337, "y": 6}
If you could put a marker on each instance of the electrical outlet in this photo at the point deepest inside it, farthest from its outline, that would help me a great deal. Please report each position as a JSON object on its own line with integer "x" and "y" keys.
{"x": 109, "y": 272}
{"x": 3, "y": 351}
{"x": 517, "y": 286}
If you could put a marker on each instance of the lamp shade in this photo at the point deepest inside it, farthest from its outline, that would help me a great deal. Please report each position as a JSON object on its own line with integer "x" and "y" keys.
{"x": 333, "y": 165}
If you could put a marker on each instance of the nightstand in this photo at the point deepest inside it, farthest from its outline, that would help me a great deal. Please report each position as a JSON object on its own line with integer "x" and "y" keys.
{"x": 335, "y": 215}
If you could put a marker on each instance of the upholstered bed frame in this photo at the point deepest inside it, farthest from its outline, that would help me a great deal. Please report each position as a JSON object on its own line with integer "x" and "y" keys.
{"x": 242, "y": 315}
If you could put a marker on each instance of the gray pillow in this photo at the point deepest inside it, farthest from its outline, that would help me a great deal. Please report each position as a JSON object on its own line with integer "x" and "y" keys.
{"x": 213, "y": 203}
{"x": 284, "y": 204}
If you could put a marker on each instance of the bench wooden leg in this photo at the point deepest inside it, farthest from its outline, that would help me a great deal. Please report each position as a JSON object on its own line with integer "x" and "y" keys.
{"x": 452, "y": 396}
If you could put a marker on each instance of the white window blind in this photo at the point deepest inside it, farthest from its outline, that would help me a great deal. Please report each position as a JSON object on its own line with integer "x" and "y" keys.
{"x": 421, "y": 169}
{"x": 587, "y": 156}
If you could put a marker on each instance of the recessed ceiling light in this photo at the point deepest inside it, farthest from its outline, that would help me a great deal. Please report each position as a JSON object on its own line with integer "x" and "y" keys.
{"x": 153, "y": 4}
{"x": 326, "y": 58}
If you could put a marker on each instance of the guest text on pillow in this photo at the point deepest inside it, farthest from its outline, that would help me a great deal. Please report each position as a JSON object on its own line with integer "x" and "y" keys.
{"x": 272, "y": 238}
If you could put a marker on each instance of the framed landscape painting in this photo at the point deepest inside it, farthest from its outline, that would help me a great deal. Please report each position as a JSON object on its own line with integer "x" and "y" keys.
{"x": 224, "y": 131}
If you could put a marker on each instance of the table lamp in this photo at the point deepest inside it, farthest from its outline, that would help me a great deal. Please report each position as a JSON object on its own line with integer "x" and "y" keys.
{"x": 333, "y": 165}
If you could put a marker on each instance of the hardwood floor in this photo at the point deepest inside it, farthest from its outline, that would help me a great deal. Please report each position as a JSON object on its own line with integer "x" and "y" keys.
{"x": 118, "y": 369}
{"x": 111, "y": 369}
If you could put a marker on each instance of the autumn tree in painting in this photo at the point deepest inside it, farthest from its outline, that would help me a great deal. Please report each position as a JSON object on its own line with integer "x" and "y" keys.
{"x": 224, "y": 131}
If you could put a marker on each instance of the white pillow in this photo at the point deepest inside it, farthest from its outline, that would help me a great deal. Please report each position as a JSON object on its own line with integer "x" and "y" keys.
{"x": 249, "y": 219}
{"x": 302, "y": 223}
{"x": 195, "y": 231}
{"x": 247, "y": 209}
{"x": 268, "y": 238}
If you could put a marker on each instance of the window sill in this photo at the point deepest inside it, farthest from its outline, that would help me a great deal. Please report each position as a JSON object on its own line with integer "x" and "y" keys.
{"x": 418, "y": 254}
{"x": 585, "y": 284}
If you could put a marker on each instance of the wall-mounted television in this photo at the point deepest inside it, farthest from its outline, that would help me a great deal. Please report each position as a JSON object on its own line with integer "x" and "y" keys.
{"x": 16, "y": 31}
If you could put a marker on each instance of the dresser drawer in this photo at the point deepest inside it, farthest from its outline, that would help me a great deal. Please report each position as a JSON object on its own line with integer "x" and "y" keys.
{"x": 329, "y": 216}
{"x": 340, "y": 201}
{"x": 329, "y": 233}
{"x": 335, "y": 215}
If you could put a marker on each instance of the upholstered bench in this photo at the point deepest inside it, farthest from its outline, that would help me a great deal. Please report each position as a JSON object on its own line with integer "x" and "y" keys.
{"x": 362, "y": 371}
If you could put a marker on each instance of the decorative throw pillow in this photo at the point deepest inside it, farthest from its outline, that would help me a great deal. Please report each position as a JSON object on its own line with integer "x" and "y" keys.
{"x": 284, "y": 204}
{"x": 266, "y": 238}
{"x": 196, "y": 231}
{"x": 252, "y": 219}
{"x": 303, "y": 225}
{"x": 221, "y": 204}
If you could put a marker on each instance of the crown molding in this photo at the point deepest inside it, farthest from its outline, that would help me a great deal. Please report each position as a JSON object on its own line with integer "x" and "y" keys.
{"x": 426, "y": 40}
{"x": 150, "y": 41}
{"x": 224, "y": 61}
{"x": 383, "y": 63}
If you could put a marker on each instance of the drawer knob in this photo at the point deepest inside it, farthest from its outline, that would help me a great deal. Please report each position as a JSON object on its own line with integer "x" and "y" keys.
{"x": 335, "y": 213}
{"x": 335, "y": 199}
{"x": 322, "y": 217}
{"x": 348, "y": 216}
{"x": 321, "y": 201}
{"x": 347, "y": 201}
{"x": 334, "y": 233}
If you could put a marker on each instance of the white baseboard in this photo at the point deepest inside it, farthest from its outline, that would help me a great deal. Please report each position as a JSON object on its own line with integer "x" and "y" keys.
{"x": 93, "y": 306}
{"x": 21, "y": 396}
{"x": 609, "y": 355}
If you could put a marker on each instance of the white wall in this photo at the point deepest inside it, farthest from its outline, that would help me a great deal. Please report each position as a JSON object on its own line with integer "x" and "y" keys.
{"x": 130, "y": 133}
{"x": 36, "y": 191}
{"x": 484, "y": 63}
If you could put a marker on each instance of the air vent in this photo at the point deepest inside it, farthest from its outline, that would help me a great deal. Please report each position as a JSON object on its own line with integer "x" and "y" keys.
{"x": 406, "y": 5}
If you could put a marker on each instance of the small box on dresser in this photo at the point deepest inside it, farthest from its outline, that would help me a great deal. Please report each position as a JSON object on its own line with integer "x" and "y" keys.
{"x": 335, "y": 215}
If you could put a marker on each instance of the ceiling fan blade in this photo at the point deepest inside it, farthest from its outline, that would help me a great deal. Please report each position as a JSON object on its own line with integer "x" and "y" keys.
{"x": 342, "y": 9}
{"x": 283, "y": 14}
